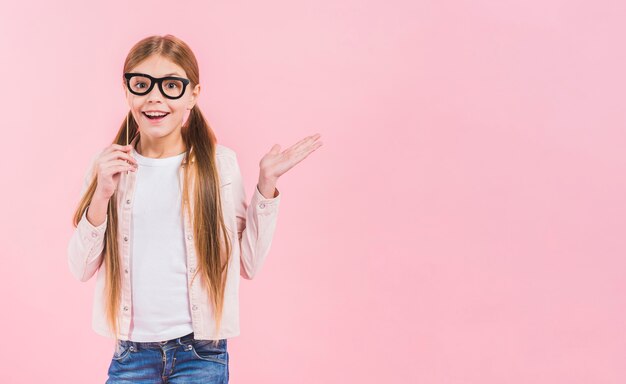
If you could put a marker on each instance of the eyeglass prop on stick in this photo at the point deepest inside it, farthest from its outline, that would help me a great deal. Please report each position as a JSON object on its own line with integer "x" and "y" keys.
{"x": 127, "y": 142}
{"x": 127, "y": 171}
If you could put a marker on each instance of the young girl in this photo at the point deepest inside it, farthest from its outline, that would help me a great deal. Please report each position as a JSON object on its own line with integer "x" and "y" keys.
{"x": 165, "y": 222}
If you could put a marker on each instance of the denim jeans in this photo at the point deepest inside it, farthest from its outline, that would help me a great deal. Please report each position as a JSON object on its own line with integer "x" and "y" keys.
{"x": 176, "y": 361}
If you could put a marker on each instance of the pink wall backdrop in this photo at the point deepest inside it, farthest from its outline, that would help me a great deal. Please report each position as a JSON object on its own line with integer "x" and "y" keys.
{"x": 463, "y": 222}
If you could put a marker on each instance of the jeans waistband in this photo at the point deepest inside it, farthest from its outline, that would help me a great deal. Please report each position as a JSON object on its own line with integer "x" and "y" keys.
{"x": 183, "y": 340}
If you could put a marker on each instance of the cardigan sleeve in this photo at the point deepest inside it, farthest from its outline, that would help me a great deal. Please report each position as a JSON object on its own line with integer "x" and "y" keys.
{"x": 86, "y": 245}
{"x": 256, "y": 223}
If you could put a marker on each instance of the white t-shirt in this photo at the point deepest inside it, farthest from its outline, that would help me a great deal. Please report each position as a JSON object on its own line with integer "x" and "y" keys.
{"x": 160, "y": 294}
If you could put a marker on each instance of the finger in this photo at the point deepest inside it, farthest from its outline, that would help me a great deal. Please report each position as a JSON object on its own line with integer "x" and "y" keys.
{"x": 119, "y": 155}
{"x": 307, "y": 147}
{"x": 117, "y": 163}
{"x": 306, "y": 151}
{"x": 117, "y": 147}
{"x": 122, "y": 168}
{"x": 315, "y": 146}
{"x": 275, "y": 149}
{"x": 127, "y": 156}
{"x": 307, "y": 140}
{"x": 116, "y": 168}
{"x": 296, "y": 145}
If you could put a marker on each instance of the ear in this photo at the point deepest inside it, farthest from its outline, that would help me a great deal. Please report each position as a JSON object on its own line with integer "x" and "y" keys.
{"x": 194, "y": 97}
{"x": 126, "y": 92}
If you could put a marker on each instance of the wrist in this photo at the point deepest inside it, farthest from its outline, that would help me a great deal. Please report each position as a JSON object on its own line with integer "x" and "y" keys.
{"x": 99, "y": 197}
{"x": 267, "y": 187}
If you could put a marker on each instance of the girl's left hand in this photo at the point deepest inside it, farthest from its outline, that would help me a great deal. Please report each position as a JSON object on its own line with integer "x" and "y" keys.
{"x": 275, "y": 163}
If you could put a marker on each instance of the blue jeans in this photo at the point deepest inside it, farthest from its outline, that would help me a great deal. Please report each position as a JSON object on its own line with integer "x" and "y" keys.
{"x": 176, "y": 361}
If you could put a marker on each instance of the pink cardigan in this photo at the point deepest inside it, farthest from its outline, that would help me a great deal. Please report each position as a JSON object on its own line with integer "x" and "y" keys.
{"x": 255, "y": 223}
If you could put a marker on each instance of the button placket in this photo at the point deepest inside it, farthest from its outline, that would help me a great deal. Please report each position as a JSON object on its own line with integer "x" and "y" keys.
{"x": 191, "y": 263}
{"x": 125, "y": 251}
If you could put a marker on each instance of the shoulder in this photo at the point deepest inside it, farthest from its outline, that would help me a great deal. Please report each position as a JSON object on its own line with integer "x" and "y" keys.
{"x": 224, "y": 151}
{"x": 226, "y": 161}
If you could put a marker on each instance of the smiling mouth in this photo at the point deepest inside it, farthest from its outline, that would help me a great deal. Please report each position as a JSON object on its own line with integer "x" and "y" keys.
{"x": 156, "y": 117}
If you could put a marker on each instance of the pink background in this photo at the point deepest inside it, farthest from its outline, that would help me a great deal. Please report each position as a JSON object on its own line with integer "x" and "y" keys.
{"x": 462, "y": 223}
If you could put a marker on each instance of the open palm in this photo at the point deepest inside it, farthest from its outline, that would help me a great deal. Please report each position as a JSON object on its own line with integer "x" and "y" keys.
{"x": 275, "y": 163}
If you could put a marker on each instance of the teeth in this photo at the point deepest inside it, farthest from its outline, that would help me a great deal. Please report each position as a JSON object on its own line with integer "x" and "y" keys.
{"x": 155, "y": 114}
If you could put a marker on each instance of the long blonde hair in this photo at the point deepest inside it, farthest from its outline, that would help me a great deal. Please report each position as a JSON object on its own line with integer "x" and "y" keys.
{"x": 210, "y": 232}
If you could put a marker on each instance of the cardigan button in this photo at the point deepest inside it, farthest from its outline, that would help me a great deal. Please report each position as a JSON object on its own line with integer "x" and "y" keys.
{"x": 195, "y": 307}
{"x": 125, "y": 238}
{"x": 128, "y": 201}
{"x": 189, "y": 237}
{"x": 126, "y": 308}
{"x": 262, "y": 205}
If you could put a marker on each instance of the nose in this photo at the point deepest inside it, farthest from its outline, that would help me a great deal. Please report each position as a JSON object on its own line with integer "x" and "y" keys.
{"x": 155, "y": 94}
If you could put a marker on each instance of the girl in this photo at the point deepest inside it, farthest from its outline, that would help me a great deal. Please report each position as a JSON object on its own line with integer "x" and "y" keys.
{"x": 165, "y": 223}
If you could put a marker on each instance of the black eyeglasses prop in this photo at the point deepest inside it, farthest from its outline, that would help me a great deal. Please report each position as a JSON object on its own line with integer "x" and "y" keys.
{"x": 141, "y": 84}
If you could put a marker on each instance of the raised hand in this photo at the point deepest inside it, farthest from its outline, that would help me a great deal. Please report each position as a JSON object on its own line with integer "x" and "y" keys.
{"x": 275, "y": 163}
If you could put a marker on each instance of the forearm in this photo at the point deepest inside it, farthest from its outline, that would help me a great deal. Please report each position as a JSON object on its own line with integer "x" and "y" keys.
{"x": 97, "y": 211}
{"x": 86, "y": 246}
